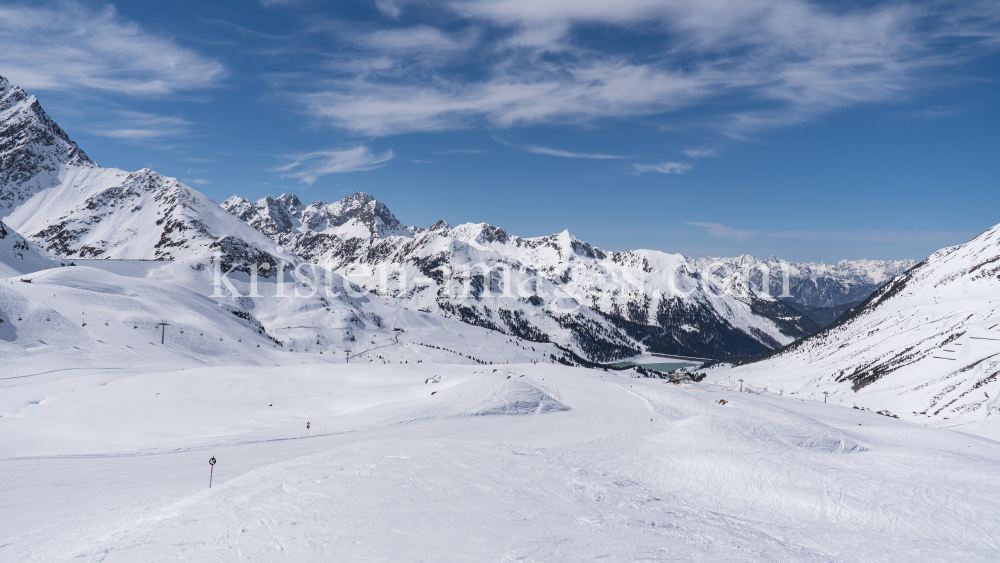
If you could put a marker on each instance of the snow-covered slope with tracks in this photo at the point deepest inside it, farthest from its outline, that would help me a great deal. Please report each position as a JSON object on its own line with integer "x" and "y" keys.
{"x": 108, "y": 313}
{"x": 925, "y": 346}
{"x": 432, "y": 462}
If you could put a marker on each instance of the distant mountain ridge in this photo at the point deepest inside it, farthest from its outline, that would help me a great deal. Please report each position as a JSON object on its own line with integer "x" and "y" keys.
{"x": 814, "y": 284}
{"x": 632, "y": 305}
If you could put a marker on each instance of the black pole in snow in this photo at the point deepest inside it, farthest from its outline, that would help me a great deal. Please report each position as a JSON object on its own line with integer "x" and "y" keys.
{"x": 211, "y": 472}
{"x": 163, "y": 334}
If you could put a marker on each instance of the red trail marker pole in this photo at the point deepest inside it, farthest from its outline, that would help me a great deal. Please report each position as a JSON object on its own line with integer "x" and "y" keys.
{"x": 211, "y": 464}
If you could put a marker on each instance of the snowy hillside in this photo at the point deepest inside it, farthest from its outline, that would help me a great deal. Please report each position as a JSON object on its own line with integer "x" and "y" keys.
{"x": 19, "y": 256}
{"x": 925, "y": 346}
{"x": 814, "y": 284}
{"x": 433, "y": 462}
{"x": 107, "y": 314}
{"x": 605, "y": 305}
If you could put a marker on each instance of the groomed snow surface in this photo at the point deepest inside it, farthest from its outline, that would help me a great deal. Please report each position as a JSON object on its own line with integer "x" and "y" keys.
{"x": 436, "y": 462}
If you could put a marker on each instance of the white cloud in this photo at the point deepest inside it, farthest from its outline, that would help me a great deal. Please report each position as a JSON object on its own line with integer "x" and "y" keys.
{"x": 420, "y": 38}
{"x": 720, "y": 231}
{"x": 391, "y": 8}
{"x": 594, "y": 89}
{"x": 139, "y": 126}
{"x": 788, "y": 60}
{"x": 310, "y": 166}
{"x": 566, "y": 154}
{"x": 535, "y": 149}
{"x": 701, "y": 152}
{"x": 663, "y": 168}
{"x": 200, "y": 181}
{"x": 68, "y": 47}
{"x": 463, "y": 151}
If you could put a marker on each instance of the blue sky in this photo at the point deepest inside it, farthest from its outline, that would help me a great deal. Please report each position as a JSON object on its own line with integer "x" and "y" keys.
{"x": 807, "y": 130}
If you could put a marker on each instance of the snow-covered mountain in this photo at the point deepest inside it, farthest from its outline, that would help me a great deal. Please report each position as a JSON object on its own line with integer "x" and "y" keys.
{"x": 925, "y": 345}
{"x": 600, "y": 305}
{"x": 813, "y": 284}
{"x": 58, "y": 198}
{"x": 558, "y": 288}
{"x": 33, "y": 149}
{"x": 20, "y": 256}
{"x": 357, "y": 216}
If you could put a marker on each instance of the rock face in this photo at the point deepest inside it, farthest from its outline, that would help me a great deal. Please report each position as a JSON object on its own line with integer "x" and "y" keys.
{"x": 608, "y": 305}
{"x": 927, "y": 344}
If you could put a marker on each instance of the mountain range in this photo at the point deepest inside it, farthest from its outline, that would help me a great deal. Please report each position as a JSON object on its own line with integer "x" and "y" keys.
{"x": 599, "y": 305}
{"x": 613, "y": 304}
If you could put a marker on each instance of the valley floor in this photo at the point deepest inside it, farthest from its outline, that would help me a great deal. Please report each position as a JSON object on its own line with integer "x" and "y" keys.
{"x": 431, "y": 462}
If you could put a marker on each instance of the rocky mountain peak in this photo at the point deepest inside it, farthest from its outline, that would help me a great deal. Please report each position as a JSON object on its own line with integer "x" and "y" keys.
{"x": 356, "y": 216}
{"x": 31, "y": 144}
{"x": 441, "y": 225}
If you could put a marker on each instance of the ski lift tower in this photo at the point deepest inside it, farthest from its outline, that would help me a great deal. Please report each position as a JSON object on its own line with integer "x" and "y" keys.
{"x": 163, "y": 333}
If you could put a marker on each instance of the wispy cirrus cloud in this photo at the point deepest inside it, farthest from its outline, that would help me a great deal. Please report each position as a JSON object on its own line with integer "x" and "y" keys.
{"x": 662, "y": 168}
{"x": 701, "y": 152}
{"x": 140, "y": 126}
{"x": 463, "y": 151}
{"x": 68, "y": 46}
{"x": 308, "y": 168}
{"x": 548, "y": 151}
{"x": 524, "y": 62}
{"x": 533, "y": 149}
{"x": 721, "y": 231}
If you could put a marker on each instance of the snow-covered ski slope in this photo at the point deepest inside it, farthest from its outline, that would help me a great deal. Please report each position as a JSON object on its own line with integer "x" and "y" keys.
{"x": 924, "y": 347}
{"x": 463, "y": 463}
{"x": 107, "y": 313}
